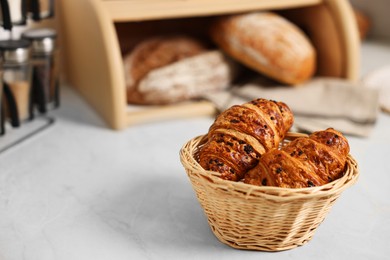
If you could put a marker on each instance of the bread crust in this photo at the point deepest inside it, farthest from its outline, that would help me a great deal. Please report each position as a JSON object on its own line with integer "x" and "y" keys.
{"x": 267, "y": 43}
{"x": 157, "y": 52}
{"x": 169, "y": 70}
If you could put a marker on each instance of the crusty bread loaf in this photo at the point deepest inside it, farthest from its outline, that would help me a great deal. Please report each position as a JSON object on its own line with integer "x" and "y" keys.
{"x": 305, "y": 162}
{"x": 267, "y": 43}
{"x": 185, "y": 79}
{"x": 157, "y": 52}
{"x": 241, "y": 134}
{"x": 166, "y": 70}
{"x": 363, "y": 23}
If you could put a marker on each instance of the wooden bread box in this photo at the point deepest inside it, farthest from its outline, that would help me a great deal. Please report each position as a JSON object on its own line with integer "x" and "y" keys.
{"x": 97, "y": 33}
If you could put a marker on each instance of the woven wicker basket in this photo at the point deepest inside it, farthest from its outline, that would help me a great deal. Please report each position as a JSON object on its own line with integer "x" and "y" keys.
{"x": 261, "y": 218}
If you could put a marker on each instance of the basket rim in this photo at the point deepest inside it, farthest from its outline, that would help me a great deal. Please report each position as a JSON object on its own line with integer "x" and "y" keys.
{"x": 193, "y": 167}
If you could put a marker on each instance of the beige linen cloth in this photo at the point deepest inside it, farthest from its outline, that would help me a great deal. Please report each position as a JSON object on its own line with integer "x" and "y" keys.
{"x": 318, "y": 104}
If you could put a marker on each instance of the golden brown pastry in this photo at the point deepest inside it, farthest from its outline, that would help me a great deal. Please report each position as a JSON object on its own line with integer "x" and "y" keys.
{"x": 267, "y": 43}
{"x": 305, "y": 162}
{"x": 241, "y": 134}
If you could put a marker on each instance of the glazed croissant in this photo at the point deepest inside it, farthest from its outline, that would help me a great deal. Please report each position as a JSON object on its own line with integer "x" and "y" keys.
{"x": 241, "y": 134}
{"x": 304, "y": 162}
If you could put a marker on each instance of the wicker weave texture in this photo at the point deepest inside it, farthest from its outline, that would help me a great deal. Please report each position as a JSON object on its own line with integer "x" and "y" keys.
{"x": 261, "y": 218}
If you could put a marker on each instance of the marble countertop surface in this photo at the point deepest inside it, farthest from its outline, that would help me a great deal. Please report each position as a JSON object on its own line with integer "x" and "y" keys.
{"x": 79, "y": 190}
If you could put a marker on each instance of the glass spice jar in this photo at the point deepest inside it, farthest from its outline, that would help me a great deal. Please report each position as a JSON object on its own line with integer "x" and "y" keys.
{"x": 45, "y": 81}
{"x": 40, "y": 9}
{"x": 16, "y": 12}
{"x": 16, "y": 55}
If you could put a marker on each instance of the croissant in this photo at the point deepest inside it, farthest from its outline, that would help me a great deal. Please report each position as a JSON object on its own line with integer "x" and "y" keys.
{"x": 304, "y": 162}
{"x": 241, "y": 134}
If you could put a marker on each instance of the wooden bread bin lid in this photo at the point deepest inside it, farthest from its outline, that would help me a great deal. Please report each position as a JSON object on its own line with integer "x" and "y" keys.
{"x": 96, "y": 70}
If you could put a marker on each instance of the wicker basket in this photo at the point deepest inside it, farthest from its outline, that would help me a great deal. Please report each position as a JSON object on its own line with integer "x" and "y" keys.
{"x": 261, "y": 218}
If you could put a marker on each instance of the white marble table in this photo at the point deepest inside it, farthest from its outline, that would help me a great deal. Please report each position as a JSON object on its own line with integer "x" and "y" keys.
{"x": 81, "y": 191}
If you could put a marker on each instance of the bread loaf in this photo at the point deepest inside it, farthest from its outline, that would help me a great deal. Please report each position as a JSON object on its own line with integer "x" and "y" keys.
{"x": 305, "y": 162}
{"x": 241, "y": 134}
{"x": 363, "y": 23}
{"x": 267, "y": 43}
{"x": 166, "y": 70}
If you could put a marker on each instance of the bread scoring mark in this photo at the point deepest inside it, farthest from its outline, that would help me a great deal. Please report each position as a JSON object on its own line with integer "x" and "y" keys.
{"x": 268, "y": 43}
{"x": 270, "y": 26}
{"x": 202, "y": 67}
{"x": 179, "y": 80}
{"x": 278, "y": 34}
{"x": 237, "y": 45}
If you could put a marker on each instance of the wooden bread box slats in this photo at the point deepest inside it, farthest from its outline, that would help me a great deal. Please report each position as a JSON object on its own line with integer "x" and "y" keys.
{"x": 140, "y": 10}
{"x": 95, "y": 34}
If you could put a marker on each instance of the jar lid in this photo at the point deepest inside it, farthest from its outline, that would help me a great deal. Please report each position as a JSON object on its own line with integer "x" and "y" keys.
{"x": 42, "y": 39}
{"x": 15, "y": 51}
